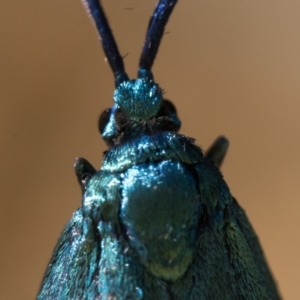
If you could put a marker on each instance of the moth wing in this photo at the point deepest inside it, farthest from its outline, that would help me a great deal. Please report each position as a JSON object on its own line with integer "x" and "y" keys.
{"x": 72, "y": 270}
{"x": 216, "y": 154}
{"x": 228, "y": 263}
{"x": 256, "y": 249}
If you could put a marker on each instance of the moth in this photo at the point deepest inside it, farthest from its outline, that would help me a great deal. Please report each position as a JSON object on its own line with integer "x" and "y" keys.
{"x": 157, "y": 221}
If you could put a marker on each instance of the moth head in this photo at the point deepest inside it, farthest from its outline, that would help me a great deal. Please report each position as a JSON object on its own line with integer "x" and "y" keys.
{"x": 115, "y": 126}
{"x": 139, "y": 105}
{"x": 139, "y": 99}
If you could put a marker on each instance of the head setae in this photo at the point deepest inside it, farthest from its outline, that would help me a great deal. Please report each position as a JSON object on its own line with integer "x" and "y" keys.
{"x": 139, "y": 105}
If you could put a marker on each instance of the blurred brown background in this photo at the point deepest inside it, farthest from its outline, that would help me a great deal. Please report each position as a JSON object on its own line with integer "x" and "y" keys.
{"x": 232, "y": 67}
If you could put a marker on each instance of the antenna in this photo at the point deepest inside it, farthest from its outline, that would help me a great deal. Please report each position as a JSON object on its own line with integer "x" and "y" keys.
{"x": 109, "y": 44}
{"x": 154, "y": 34}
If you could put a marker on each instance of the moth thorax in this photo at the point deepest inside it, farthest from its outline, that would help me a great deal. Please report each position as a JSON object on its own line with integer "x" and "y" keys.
{"x": 140, "y": 99}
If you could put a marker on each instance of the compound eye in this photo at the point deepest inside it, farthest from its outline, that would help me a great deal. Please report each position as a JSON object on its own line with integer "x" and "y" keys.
{"x": 104, "y": 119}
{"x": 167, "y": 108}
{"x": 170, "y": 106}
{"x": 120, "y": 117}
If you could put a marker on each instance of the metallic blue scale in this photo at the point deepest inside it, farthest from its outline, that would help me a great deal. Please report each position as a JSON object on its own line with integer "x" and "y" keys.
{"x": 141, "y": 99}
{"x": 160, "y": 209}
{"x": 157, "y": 221}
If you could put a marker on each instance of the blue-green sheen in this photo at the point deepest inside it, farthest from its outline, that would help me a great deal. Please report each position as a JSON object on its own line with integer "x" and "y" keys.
{"x": 157, "y": 221}
{"x": 106, "y": 251}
